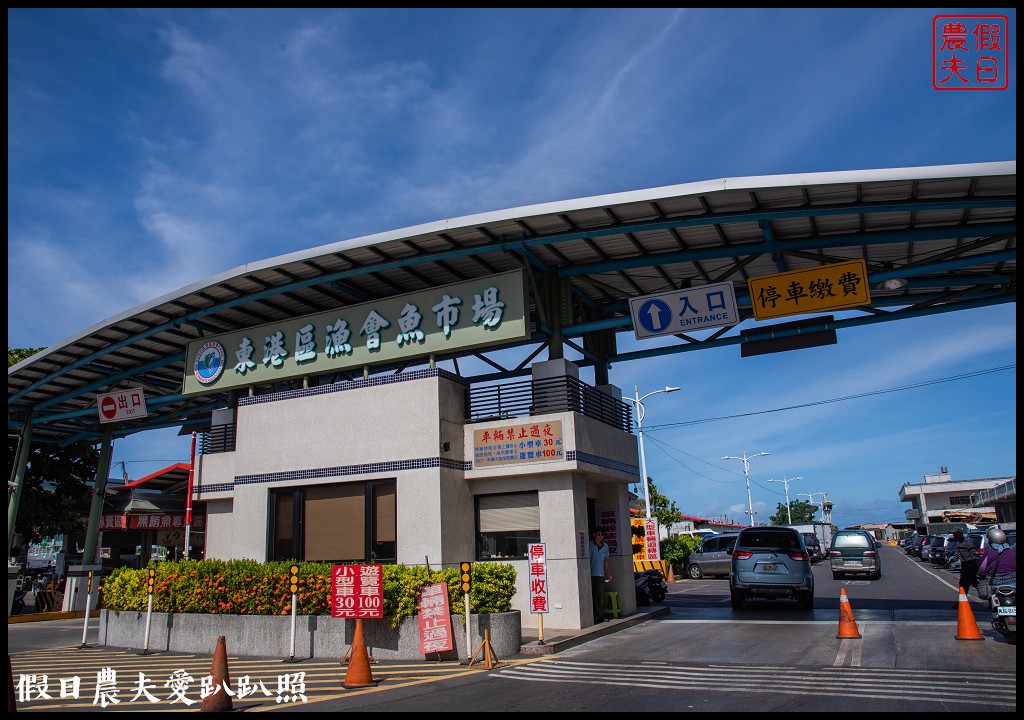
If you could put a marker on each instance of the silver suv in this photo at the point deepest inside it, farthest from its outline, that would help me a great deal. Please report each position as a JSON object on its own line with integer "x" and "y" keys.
{"x": 771, "y": 562}
{"x": 712, "y": 558}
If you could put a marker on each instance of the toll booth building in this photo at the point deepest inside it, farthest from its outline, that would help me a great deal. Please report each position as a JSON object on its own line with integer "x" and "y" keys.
{"x": 420, "y": 467}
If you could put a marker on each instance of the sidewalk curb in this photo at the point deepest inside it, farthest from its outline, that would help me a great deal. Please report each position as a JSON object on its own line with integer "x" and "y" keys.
{"x": 37, "y": 617}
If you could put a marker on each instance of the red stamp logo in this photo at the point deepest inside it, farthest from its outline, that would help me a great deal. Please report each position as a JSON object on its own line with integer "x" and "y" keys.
{"x": 970, "y": 52}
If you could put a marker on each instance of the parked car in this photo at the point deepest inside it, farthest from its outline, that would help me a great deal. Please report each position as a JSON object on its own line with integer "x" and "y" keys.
{"x": 854, "y": 551}
{"x": 770, "y": 562}
{"x": 814, "y": 548}
{"x": 922, "y": 554}
{"x": 914, "y": 545}
{"x": 711, "y": 558}
{"x": 948, "y": 548}
{"x": 935, "y": 549}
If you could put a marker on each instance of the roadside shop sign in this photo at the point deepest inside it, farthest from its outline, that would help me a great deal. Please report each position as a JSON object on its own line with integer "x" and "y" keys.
{"x": 357, "y": 592}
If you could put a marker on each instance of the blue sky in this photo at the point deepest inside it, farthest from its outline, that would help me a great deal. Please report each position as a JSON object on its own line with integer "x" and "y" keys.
{"x": 150, "y": 149}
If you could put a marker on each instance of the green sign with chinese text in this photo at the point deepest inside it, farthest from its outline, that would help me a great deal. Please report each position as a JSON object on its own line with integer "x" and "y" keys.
{"x": 476, "y": 313}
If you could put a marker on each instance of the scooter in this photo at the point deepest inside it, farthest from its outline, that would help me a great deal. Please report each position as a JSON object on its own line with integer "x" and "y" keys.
{"x": 18, "y": 603}
{"x": 1003, "y": 605}
{"x": 650, "y": 587}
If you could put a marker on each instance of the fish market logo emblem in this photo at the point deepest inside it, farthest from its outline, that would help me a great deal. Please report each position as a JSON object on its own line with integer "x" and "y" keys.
{"x": 209, "y": 362}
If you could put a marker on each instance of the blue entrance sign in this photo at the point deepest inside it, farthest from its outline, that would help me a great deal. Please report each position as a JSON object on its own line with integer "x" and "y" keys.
{"x": 679, "y": 311}
{"x": 654, "y": 316}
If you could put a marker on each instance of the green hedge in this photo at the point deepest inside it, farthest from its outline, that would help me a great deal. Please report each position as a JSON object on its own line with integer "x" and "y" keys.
{"x": 247, "y": 587}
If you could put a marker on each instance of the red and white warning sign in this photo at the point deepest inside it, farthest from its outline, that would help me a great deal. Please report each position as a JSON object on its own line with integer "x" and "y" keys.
{"x": 127, "y": 404}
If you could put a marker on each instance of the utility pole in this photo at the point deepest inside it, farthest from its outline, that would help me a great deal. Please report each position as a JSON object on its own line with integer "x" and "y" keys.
{"x": 809, "y": 496}
{"x": 825, "y": 505}
{"x": 746, "y": 474}
{"x": 826, "y": 508}
{"x": 786, "y": 481}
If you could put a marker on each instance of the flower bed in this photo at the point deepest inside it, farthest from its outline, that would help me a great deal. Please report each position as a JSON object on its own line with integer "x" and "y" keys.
{"x": 248, "y": 587}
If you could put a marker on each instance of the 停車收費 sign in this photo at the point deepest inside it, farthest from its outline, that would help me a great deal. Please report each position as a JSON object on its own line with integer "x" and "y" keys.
{"x": 475, "y": 313}
{"x": 826, "y": 287}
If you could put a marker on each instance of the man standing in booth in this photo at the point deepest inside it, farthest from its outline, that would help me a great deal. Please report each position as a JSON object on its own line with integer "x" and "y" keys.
{"x": 600, "y": 572}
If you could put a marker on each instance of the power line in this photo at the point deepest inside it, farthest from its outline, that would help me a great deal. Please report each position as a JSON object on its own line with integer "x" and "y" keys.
{"x": 661, "y": 445}
{"x": 926, "y": 383}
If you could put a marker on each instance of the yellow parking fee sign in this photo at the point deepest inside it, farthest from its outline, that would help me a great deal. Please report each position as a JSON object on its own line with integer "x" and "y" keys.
{"x": 826, "y": 287}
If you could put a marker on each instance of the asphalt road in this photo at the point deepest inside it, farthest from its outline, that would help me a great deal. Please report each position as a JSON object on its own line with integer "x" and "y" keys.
{"x": 702, "y": 656}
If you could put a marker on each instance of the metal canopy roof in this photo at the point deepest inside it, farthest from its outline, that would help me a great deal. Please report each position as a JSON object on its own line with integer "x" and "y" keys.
{"x": 949, "y": 231}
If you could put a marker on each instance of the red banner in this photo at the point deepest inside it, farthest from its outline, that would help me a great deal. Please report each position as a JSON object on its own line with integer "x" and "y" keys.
{"x": 149, "y": 521}
{"x": 357, "y": 591}
{"x": 538, "y": 569}
{"x": 435, "y": 620}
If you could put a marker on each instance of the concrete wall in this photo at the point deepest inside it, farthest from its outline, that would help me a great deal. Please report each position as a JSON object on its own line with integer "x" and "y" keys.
{"x": 220, "y": 542}
{"x": 373, "y": 424}
{"x": 316, "y": 636}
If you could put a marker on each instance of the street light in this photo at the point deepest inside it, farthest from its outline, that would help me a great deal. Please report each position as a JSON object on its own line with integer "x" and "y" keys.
{"x": 638, "y": 400}
{"x": 789, "y": 514}
{"x": 746, "y": 474}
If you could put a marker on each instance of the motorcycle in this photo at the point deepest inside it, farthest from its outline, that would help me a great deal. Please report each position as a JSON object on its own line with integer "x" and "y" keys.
{"x": 650, "y": 587}
{"x": 18, "y": 603}
{"x": 1003, "y": 605}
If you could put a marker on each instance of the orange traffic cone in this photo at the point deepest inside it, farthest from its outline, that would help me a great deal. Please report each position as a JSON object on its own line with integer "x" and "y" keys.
{"x": 847, "y": 625}
{"x": 671, "y": 573}
{"x": 220, "y": 701}
{"x": 966, "y": 625}
{"x": 358, "y": 674}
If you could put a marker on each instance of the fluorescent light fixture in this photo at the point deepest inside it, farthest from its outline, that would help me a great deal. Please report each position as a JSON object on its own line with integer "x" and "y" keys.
{"x": 894, "y": 284}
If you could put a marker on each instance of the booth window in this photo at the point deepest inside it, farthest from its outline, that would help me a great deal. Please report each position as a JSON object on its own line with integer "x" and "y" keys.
{"x": 344, "y": 522}
{"x": 506, "y": 524}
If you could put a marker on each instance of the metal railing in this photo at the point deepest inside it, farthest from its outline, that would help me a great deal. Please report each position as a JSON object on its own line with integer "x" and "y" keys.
{"x": 538, "y": 397}
{"x": 218, "y": 439}
{"x": 988, "y": 496}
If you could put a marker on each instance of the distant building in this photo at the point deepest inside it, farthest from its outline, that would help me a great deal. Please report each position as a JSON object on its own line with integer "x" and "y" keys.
{"x": 941, "y": 499}
{"x": 881, "y": 531}
{"x": 690, "y": 525}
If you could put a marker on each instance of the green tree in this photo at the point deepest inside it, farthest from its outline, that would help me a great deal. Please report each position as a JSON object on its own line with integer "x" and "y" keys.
{"x": 801, "y": 510}
{"x": 56, "y": 494}
{"x": 662, "y": 508}
{"x": 674, "y": 550}
{"x": 16, "y": 355}
{"x": 677, "y": 549}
